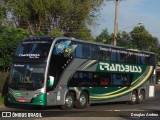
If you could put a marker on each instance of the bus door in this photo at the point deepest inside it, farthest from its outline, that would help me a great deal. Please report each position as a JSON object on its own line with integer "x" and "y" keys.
{"x": 58, "y": 63}
{"x": 152, "y": 82}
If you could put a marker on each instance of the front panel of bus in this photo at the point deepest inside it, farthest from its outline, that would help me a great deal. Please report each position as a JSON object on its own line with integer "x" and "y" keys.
{"x": 29, "y": 72}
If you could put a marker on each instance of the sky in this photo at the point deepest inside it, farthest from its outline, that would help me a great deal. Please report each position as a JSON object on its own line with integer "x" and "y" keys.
{"x": 130, "y": 13}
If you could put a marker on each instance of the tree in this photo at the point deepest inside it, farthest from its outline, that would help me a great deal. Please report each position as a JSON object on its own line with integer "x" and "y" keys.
{"x": 56, "y": 32}
{"x": 124, "y": 40}
{"x": 45, "y": 15}
{"x": 2, "y": 11}
{"x": 9, "y": 39}
{"x": 104, "y": 37}
{"x": 143, "y": 40}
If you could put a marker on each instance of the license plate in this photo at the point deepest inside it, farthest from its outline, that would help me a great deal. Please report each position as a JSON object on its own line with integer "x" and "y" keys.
{"x": 21, "y": 100}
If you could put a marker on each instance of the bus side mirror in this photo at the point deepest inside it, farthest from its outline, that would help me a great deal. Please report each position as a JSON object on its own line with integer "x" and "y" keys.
{"x": 51, "y": 81}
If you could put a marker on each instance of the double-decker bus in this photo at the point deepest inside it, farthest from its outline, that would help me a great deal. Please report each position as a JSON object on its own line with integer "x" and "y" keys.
{"x": 49, "y": 71}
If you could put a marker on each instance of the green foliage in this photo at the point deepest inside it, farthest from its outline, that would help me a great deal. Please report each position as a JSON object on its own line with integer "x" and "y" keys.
{"x": 2, "y": 10}
{"x": 124, "y": 40}
{"x": 143, "y": 40}
{"x": 38, "y": 16}
{"x": 84, "y": 34}
{"x": 39, "y": 33}
{"x": 104, "y": 37}
{"x": 9, "y": 39}
{"x": 56, "y": 33}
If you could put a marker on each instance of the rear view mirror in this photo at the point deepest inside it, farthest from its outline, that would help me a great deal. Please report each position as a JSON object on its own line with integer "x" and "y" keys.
{"x": 51, "y": 81}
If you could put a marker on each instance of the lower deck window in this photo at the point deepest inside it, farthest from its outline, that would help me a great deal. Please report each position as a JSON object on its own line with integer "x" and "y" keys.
{"x": 95, "y": 79}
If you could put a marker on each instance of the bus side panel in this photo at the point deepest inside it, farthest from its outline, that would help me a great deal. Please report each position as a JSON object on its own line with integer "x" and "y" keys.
{"x": 51, "y": 98}
{"x": 120, "y": 92}
{"x": 57, "y": 96}
{"x": 116, "y": 99}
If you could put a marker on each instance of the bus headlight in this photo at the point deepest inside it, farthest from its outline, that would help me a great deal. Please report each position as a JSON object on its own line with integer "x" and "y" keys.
{"x": 37, "y": 94}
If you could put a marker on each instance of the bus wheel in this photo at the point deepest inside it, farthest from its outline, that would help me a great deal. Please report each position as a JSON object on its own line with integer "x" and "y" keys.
{"x": 133, "y": 99}
{"x": 82, "y": 101}
{"x": 141, "y": 97}
{"x": 69, "y": 101}
{"x": 6, "y": 102}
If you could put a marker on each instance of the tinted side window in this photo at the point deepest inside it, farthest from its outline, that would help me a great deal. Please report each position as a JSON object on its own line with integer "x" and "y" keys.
{"x": 142, "y": 60}
{"x": 79, "y": 51}
{"x": 121, "y": 57}
{"x": 106, "y": 55}
{"x": 117, "y": 79}
{"x": 126, "y": 79}
{"x": 104, "y": 79}
{"x": 138, "y": 60}
{"x": 131, "y": 59}
{"x": 86, "y": 51}
{"x": 96, "y": 54}
{"x": 94, "y": 79}
{"x": 81, "y": 79}
{"x": 121, "y": 79}
{"x": 113, "y": 56}
{"x": 150, "y": 60}
{"x": 65, "y": 48}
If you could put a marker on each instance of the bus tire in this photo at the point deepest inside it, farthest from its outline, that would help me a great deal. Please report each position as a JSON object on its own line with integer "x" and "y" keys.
{"x": 133, "y": 98}
{"x": 82, "y": 101}
{"x": 6, "y": 102}
{"x": 141, "y": 97}
{"x": 69, "y": 101}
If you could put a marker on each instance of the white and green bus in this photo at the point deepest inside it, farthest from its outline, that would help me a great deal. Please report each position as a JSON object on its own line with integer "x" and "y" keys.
{"x": 51, "y": 71}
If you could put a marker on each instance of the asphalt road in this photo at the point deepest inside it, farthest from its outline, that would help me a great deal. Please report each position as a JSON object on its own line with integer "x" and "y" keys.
{"x": 119, "y": 111}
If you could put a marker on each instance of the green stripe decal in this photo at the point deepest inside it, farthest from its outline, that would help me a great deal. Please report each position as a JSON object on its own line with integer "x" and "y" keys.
{"x": 89, "y": 64}
{"x": 126, "y": 91}
{"x": 118, "y": 89}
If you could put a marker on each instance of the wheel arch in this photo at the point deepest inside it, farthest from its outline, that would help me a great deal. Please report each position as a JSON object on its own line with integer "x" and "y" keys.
{"x": 72, "y": 91}
{"x": 143, "y": 91}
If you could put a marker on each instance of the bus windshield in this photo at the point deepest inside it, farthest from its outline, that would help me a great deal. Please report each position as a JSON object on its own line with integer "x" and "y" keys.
{"x": 33, "y": 49}
{"x": 27, "y": 76}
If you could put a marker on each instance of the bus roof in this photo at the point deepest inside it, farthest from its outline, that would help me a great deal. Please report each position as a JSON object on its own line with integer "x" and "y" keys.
{"x": 111, "y": 46}
{"x": 39, "y": 38}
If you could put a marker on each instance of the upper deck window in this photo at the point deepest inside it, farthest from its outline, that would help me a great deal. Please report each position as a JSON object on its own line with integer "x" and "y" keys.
{"x": 65, "y": 48}
{"x": 33, "y": 49}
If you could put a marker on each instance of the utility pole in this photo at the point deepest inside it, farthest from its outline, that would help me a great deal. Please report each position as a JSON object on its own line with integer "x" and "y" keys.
{"x": 115, "y": 23}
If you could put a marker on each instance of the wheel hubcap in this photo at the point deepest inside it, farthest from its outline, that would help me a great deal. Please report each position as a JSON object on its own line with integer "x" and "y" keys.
{"x": 141, "y": 97}
{"x": 82, "y": 100}
{"x": 133, "y": 98}
{"x": 69, "y": 101}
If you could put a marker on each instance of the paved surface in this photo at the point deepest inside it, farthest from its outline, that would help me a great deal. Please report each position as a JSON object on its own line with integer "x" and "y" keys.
{"x": 98, "y": 111}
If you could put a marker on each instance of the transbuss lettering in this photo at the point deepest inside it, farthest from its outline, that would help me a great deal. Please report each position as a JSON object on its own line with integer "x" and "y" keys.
{"x": 30, "y": 55}
{"x": 120, "y": 68}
